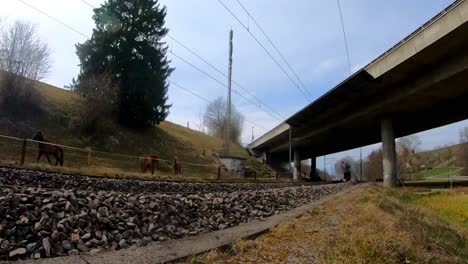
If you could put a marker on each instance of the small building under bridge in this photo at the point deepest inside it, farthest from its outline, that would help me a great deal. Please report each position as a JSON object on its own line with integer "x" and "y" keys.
{"x": 419, "y": 84}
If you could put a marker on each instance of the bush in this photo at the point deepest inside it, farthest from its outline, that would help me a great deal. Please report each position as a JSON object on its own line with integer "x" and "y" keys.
{"x": 19, "y": 99}
{"x": 96, "y": 116}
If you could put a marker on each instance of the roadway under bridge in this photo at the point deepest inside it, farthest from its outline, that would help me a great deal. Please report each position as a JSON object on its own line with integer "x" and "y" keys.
{"x": 419, "y": 84}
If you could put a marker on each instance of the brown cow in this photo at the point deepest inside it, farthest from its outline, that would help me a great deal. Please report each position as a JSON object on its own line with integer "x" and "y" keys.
{"x": 148, "y": 163}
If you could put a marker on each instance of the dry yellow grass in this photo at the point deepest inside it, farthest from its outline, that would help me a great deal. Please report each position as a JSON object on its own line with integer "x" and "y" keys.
{"x": 368, "y": 225}
{"x": 199, "y": 140}
{"x": 57, "y": 95}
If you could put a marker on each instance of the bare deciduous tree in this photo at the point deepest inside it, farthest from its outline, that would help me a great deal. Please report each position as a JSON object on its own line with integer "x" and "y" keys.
{"x": 373, "y": 169}
{"x": 406, "y": 147}
{"x": 410, "y": 143}
{"x": 22, "y": 52}
{"x": 99, "y": 105}
{"x": 215, "y": 119}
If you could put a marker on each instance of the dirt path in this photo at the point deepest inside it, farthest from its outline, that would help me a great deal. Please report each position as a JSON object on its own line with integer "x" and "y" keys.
{"x": 297, "y": 241}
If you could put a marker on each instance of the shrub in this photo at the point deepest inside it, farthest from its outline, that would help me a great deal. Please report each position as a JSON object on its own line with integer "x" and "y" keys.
{"x": 96, "y": 115}
{"x": 19, "y": 99}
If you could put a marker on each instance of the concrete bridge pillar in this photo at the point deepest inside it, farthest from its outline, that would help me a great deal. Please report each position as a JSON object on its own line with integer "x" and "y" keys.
{"x": 389, "y": 165}
{"x": 297, "y": 165}
{"x": 313, "y": 169}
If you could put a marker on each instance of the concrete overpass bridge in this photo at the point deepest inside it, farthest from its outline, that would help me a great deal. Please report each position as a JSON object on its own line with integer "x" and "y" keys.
{"x": 419, "y": 84}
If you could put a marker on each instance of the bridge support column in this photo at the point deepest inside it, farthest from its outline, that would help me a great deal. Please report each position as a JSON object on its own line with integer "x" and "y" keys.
{"x": 313, "y": 169}
{"x": 297, "y": 165}
{"x": 389, "y": 154}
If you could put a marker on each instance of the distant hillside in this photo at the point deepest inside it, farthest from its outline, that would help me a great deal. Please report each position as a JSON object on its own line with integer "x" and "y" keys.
{"x": 440, "y": 157}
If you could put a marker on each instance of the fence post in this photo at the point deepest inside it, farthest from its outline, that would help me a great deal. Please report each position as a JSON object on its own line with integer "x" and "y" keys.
{"x": 219, "y": 172}
{"x": 23, "y": 152}
{"x": 89, "y": 158}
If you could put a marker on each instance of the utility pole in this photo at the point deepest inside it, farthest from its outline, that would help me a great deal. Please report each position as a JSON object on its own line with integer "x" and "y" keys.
{"x": 290, "y": 149}
{"x": 360, "y": 156}
{"x": 252, "y": 135}
{"x": 228, "y": 132}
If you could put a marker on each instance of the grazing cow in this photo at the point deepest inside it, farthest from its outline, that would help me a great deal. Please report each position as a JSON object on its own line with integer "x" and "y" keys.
{"x": 148, "y": 163}
{"x": 48, "y": 149}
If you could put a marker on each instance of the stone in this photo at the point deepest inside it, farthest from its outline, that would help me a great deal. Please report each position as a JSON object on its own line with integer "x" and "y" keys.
{"x": 68, "y": 206}
{"x": 73, "y": 252}
{"x": 82, "y": 247}
{"x": 127, "y": 234}
{"x": 60, "y": 215}
{"x": 17, "y": 252}
{"x": 86, "y": 236}
{"x": 66, "y": 245}
{"x": 147, "y": 240}
{"x": 123, "y": 216}
{"x": 23, "y": 220}
{"x": 5, "y": 245}
{"x": 138, "y": 242}
{"x": 37, "y": 255}
{"x": 46, "y": 246}
{"x": 151, "y": 227}
{"x": 95, "y": 251}
{"x": 104, "y": 239}
{"x": 37, "y": 226}
{"x": 103, "y": 211}
{"x": 75, "y": 237}
{"x": 123, "y": 244}
{"x": 31, "y": 246}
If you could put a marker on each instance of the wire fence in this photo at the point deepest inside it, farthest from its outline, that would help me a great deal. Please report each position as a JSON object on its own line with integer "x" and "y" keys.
{"x": 454, "y": 175}
{"x": 26, "y": 152}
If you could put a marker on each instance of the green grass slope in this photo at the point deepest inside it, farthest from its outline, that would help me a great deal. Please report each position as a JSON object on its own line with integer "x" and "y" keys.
{"x": 168, "y": 140}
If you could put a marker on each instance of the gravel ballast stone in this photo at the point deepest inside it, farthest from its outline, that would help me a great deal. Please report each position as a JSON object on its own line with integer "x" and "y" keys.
{"x": 39, "y": 223}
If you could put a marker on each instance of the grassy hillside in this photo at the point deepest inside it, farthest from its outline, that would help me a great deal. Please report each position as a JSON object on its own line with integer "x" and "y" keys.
{"x": 166, "y": 141}
{"x": 441, "y": 157}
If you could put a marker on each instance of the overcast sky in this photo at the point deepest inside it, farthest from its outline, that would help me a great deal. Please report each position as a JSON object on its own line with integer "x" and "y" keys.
{"x": 307, "y": 32}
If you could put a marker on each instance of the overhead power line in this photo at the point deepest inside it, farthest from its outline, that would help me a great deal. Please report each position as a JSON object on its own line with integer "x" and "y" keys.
{"x": 344, "y": 36}
{"x": 208, "y": 101}
{"x": 266, "y": 50}
{"x": 187, "y": 90}
{"x": 222, "y": 73}
{"x": 222, "y": 84}
{"x": 53, "y": 18}
{"x": 274, "y": 46}
{"x": 88, "y": 4}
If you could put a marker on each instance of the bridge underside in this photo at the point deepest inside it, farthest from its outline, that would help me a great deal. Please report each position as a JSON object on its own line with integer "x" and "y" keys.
{"x": 428, "y": 90}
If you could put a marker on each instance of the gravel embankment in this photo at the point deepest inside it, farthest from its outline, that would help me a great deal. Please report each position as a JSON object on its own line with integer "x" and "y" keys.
{"x": 38, "y": 223}
{"x": 31, "y": 178}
